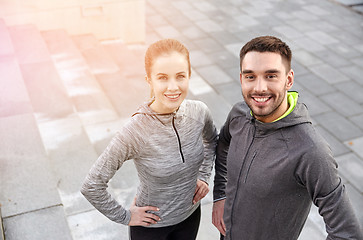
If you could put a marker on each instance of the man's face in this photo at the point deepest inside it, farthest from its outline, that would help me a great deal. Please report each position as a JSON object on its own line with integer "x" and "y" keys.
{"x": 264, "y": 83}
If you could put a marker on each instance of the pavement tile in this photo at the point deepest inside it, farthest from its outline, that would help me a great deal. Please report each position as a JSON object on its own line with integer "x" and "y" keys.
{"x": 209, "y": 26}
{"x": 245, "y": 21}
{"x": 358, "y": 120}
{"x": 93, "y": 225}
{"x": 22, "y": 155}
{"x": 346, "y": 37}
{"x": 208, "y": 45}
{"x": 299, "y": 69}
{"x": 224, "y": 59}
{"x": 311, "y": 231}
{"x": 356, "y": 145}
{"x": 306, "y": 59}
{"x": 332, "y": 58}
{"x": 342, "y": 103}
{"x": 48, "y": 223}
{"x": 302, "y": 25}
{"x": 351, "y": 89}
{"x": 328, "y": 73}
{"x": 309, "y": 45}
{"x": 314, "y": 227}
{"x": 183, "y": 5}
{"x": 207, "y": 231}
{"x": 198, "y": 86}
{"x": 167, "y": 31}
{"x": 356, "y": 198}
{"x": 358, "y": 61}
{"x": 124, "y": 102}
{"x": 284, "y": 16}
{"x": 344, "y": 50}
{"x": 195, "y": 15}
{"x": 322, "y": 37}
{"x": 156, "y": 20}
{"x": 225, "y": 38}
{"x": 204, "y": 6}
{"x": 28, "y": 44}
{"x": 14, "y": 96}
{"x": 351, "y": 166}
{"x": 354, "y": 72}
{"x": 337, "y": 147}
{"x": 213, "y": 74}
{"x": 315, "y": 84}
{"x": 231, "y": 92}
{"x": 193, "y": 32}
{"x": 338, "y": 126}
{"x": 218, "y": 106}
{"x": 100, "y": 134}
{"x": 199, "y": 58}
{"x": 325, "y": 26}
{"x": 316, "y": 10}
{"x": 314, "y": 104}
{"x": 244, "y": 36}
{"x": 234, "y": 73}
{"x": 303, "y": 15}
{"x": 288, "y": 32}
{"x": 130, "y": 60}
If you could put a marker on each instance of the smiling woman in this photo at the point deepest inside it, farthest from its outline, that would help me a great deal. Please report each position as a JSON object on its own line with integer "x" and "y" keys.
{"x": 172, "y": 142}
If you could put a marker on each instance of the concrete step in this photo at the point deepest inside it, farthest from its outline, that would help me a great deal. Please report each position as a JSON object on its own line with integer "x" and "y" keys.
{"x": 27, "y": 181}
{"x": 28, "y": 44}
{"x": 98, "y": 60}
{"x": 46, "y": 92}
{"x": 14, "y": 98}
{"x": 87, "y": 96}
{"x": 6, "y": 46}
{"x": 117, "y": 70}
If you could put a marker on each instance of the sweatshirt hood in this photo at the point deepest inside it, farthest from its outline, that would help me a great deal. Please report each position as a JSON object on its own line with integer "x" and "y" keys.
{"x": 145, "y": 109}
{"x": 294, "y": 116}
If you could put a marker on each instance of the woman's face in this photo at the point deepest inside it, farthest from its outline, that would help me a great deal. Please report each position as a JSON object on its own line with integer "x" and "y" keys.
{"x": 169, "y": 82}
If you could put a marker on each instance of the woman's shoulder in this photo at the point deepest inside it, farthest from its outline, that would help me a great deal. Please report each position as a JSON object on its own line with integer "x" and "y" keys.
{"x": 195, "y": 105}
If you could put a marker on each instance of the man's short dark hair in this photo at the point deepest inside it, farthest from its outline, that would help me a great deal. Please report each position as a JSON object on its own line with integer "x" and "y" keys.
{"x": 267, "y": 44}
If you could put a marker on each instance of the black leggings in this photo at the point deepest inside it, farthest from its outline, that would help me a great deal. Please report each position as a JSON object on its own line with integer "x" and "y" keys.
{"x": 186, "y": 230}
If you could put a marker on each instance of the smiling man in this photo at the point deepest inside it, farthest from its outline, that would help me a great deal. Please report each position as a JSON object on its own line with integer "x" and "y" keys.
{"x": 271, "y": 163}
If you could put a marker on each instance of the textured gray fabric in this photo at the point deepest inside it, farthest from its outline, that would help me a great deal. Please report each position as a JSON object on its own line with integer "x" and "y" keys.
{"x": 170, "y": 152}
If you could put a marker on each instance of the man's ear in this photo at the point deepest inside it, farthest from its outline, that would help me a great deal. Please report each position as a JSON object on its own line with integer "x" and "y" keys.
{"x": 240, "y": 77}
{"x": 290, "y": 79}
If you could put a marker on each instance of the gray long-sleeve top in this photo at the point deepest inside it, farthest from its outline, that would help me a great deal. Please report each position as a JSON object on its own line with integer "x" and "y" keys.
{"x": 170, "y": 152}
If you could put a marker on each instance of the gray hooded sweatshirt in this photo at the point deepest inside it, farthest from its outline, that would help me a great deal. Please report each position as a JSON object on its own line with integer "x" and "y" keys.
{"x": 271, "y": 175}
{"x": 170, "y": 152}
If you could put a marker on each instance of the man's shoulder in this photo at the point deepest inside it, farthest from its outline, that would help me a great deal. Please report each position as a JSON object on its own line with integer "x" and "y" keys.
{"x": 239, "y": 109}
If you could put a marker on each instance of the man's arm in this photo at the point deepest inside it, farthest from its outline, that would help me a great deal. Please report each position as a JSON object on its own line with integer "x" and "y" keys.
{"x": 220, "y": 178}
{"x": 318, "y": 172}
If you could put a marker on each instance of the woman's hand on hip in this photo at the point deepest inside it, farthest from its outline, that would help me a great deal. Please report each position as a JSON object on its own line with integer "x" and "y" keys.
{"x": 200, "y": 191}
{"x": 140, "y": 216}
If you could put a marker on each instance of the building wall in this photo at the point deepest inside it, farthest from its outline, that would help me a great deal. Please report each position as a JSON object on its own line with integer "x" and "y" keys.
{"x": 106, "y": 19}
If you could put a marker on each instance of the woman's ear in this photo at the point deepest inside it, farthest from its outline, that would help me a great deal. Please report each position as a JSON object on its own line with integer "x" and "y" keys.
{"x": 147, "y": 79}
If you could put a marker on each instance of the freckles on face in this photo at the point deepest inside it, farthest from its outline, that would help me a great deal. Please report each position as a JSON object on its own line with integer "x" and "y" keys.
{"x": 169, "y": 82}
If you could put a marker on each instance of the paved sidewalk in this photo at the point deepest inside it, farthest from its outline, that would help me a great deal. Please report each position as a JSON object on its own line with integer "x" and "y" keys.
{"x": 67, "y": 96}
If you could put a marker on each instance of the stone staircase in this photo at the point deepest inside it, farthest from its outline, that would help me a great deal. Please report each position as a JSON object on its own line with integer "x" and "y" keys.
{"x": 61, "y": 100}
